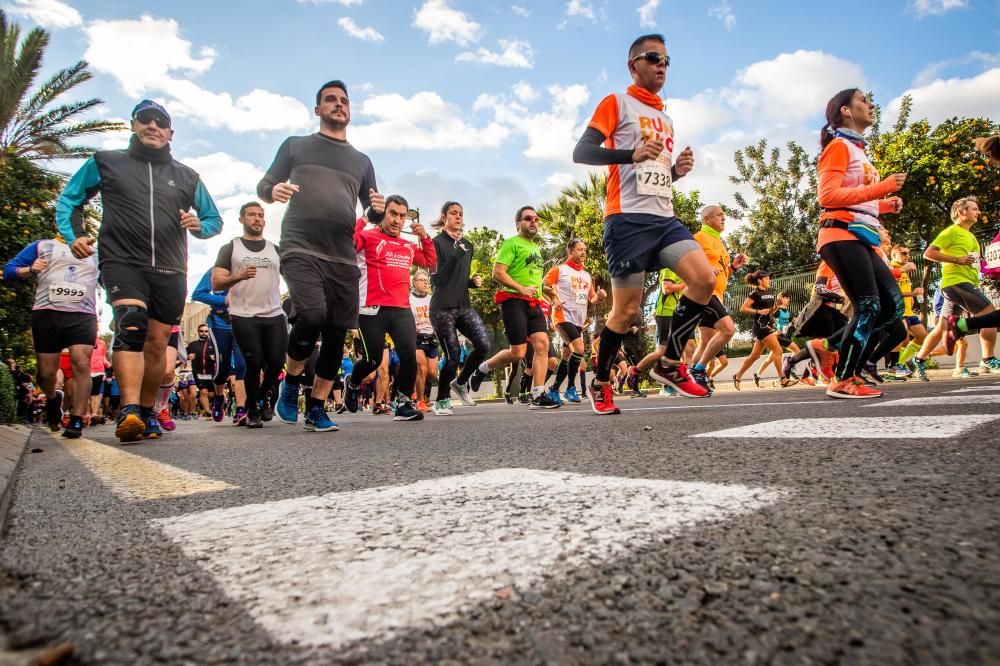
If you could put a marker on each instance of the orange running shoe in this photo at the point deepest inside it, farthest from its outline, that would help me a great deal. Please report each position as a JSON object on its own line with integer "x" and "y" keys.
{"x": 824, "y": 359}
{"x": 422, "y": 406}
{"x": 852, "y": 388}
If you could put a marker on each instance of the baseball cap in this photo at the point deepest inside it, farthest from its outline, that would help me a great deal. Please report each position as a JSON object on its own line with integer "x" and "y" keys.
{"x": 150, "y": 105}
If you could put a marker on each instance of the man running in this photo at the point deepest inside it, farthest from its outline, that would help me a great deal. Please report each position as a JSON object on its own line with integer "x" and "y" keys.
{"x": 385, "y": 260}
{"x": 518, "y": 268}
{"x": 147, "y": 198}
{"x": 321, "y": 177}
{"x": 575, "y": 290}
{"x": 248, "y": 268}
{"x": 427, "y": 345}
{"x": 641, "y": 232}
{"x": 228, "y": 355}
{"x": 914, "y": 326}
{"x": 201, "y": 356}
{"x": 64, "y": 316}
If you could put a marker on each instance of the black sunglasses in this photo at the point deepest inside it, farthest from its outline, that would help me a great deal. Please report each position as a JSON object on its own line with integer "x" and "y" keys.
{"x": 653, "y": 58}
{"x": 529, "y": 218}
{"x": 146, "y": 117}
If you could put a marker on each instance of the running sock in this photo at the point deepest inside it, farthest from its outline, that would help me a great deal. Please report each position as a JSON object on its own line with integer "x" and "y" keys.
{"x": 963, "y": 325}
{"x": 699, "y": 367}
{"x": 908, "y": 351}
{"x": 684, "y": 321}
{"x": 294, "y": 380}
{"x": 611, "y": 341}
{"x": 561, "y": 371}
{"x": 574, "y": 368}
{"x": 537, "y": 391}
{"x": 525, "y": 379}
{"x": 162, "y": 397}
{"x": 315, "y": 402}
{"x": 484, "y": 368}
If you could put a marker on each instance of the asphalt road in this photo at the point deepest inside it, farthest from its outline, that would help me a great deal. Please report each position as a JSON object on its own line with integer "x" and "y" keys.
{"x": 771, "y": 526}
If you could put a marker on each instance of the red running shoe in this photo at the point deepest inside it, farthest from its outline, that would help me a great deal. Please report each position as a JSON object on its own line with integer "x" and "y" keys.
{"x": 824, "y": 359}
{"x": 166, "y": 422}
{"x": 852, "y": 387}
{"x": 951, "y": 334}
{"x": 677, "y": 377}
{"x": 602, "y": 399}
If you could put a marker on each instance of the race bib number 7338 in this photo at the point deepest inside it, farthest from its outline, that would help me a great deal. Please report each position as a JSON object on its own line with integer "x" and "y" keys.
{"x": 653, "y": 178}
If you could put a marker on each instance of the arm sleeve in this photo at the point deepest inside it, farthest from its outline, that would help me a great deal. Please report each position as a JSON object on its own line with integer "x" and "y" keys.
{"x": 80, "y": 189}
{"x": 24, "y": 258}
{"x": 368, "y": 183}
{"x": 211, "y": 221}
{"x": 203, "y": 293}
{"x": 278, "y": 172}
{"x": 225, "y": 257}
{"x": 884, "y": 207}
{"x": 832, "y": 167}
{"x": 589, "y": 150}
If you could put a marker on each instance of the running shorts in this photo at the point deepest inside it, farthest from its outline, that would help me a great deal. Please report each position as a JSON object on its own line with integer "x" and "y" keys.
{"x": 784, "y": 340}
{"x": 663, "y": 328}
{"x": 966, "y": 296}
{"x": 912, "y": 320}
{"x": 175, "y": 339}
{"x": 96, "y": 385}
{"x": 714, "y": 312}
{"x": 428, "y": 344}
{"x": 568, "y": 332}
{"x": 314, "y": 284}
{"x": 54, "y": 330}
{"x": 521, "y": 319}
{"x": 163, "y": 291}
{"x": 633, "y": 242}
{"x": 761, "y": 332}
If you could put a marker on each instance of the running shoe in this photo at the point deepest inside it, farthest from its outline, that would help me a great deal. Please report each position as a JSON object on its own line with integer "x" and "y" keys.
{"x": 824, "y": 359}
{"x": 545, "y": 401}
{"x": 266, "y": 411}
{"x": 808, "y": 380}
{"x": 74, "y": 429}
{"x": 554, "y": 397}
{"x": 53, "y": 411}
{"x": 678, "y": 377}
{"x": 509, "y": 399}
{"x": 392, "y": 406}
{"x": 961, "y": 373}
{"x": 901, "y": 371}
{"x": 852, "y": 387}
{"x": 871, "y": 370}
{"x": 463, "y": 393}
{"x": 288, "y": 403}
{"x": 786, "y": 367}
{"x": 637, "y": 394}
{"x": 812, "y": 369}
{"x": 254, "y": 420}
{"x": 350, "y": 396}
{"x": 632, "y": 378}
{"x": 668, "y": 391}
{"x": 989, "y": 365}
{"x": 571, "y": 395}
{"x": 921, "y": 370}
{"x": 339, "y": 408}
{"x": 317, "y": 421}
{"x": 475, "y": 381}
{"x": 701, "y": 377}
{"x": 756, "y": 380}
{"x": 951, "y": 334}
{"x": 240, "y": 417}
{"x": 789, "y": 381}
{"x": 130, "y": 426}
{"x": 932, "y": 364}
{"x": 423, "y": 407}
{"x": 166, "y": 422}
{"x": 620, "y": 385}
{"x": 405, "y": 411}
{"x": 442, "y": 408}
{"x": 524, "y": 399}
{"x": 711, "y": 384}
{"x": 153, "y": 429}
{"x": 602, "y": 399}
{"x": 380, "y": 409}
{"x": 218, "y": 408}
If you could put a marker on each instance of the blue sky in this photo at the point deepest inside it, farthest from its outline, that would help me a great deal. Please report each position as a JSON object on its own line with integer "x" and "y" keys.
{"x": 482, "y": 102}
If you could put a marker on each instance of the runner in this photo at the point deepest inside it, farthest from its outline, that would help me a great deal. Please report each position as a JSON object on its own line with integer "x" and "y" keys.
{"x": 99, "y": 365}
{"x": 146, "y": 200}
{"x": 914, "y": 326}
{"x": 318, "y": 259}
{"x": 385, "y": 260}
{"x": 671, "y": 288}
{"x": 850, "y": 195}
{"x": 167, "y": 382}
{"x": 761, "y": 305}
{"x": 247, "y": 269}
{"x": 819, "y": 319}
{"x": 230, "y": 361}
{"x": 575, "y": 289}
{"x": 782, "y": 325}
{"x": 63, "y": 316}
{"x": 451, "y": 310}
{"x": 202, "y": 359}
{"x": 427, "y": 346}
{"x": 641, "y": 232}
{"x": 518, "y": 269}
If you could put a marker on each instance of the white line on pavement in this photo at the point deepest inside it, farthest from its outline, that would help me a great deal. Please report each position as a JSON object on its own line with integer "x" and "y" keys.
{"x": 977, "y": 389}
{"x": 884, "y": 427}
{"x": 966, "y": 399}
{"x": 370, "y": 563}
{"x": 705, "y": 404}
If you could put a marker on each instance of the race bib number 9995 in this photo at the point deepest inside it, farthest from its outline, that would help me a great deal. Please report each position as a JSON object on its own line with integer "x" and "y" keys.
{"x": 653, "y": 178}
{"x": 65, "y": 292}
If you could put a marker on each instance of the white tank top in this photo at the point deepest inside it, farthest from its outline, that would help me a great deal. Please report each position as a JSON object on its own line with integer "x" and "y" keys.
{"x": 259, "y": 296}
{"x": 67, "y": 284}
{"x": 421, "y": 307}
{"x": 573, "y": 288}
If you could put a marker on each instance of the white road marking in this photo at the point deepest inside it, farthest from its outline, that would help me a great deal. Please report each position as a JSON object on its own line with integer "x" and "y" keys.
{"x": 367, "y": 564}
{"x": 977, "y": 389}
{"x": 135, "y": 478}
{"x": 695, "y": 403}
{"x": 887, "y": 427}
{"x": 966, "y": 399}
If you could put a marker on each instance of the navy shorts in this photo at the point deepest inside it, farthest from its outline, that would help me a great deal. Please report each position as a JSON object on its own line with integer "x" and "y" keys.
{"x": 912, "y": 320}
{"x": 633, "y": 242}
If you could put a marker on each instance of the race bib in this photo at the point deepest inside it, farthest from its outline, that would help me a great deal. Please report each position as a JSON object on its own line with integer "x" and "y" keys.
{"x": 581, "y": 297}
{"x": 368, "y": 310}
{"x": 992, "y": 255}
{"x": 66, "y": 292}
{"x": 653, "y": 178}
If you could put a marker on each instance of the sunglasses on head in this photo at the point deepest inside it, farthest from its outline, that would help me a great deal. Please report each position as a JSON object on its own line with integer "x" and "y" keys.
{"x": 146, "y": 117}
{"x": 653, "y": 58}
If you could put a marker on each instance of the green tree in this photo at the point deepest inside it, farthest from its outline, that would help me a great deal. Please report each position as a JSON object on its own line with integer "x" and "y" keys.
{"x": 783, "y": 219}
{"x": 486, "y": 244}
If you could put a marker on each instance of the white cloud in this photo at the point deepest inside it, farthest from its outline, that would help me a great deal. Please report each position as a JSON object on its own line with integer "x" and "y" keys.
{"x": 444, "y": 24}
{"x": 560, "y": 180}
{"x": 520, "y": 11}
{"x": 933, "y": 72}
{"x": 148, "y": 57}
{"x": 924, "y": 8}
{"x": 344, "y": 3}
{"x": 978, "y": 96}
{"x": 524, "y": 92}
{"x": 514, "y": 53}
{"x": 724, "y": 13}
{"x": 580, "y": 8}
{"x": 646, "y": 13}
{"x": 46, "y": 13}
{"x": 354, "y": 30}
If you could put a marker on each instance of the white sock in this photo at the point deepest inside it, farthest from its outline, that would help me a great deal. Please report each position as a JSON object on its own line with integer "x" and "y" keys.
{"x": 162, "y": 397}
{"x": 537, "y": 391}
{"x": 484, "y": 367}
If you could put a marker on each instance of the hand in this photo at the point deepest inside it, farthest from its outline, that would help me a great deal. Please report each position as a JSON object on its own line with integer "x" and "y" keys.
{"x": 246, "y": 273}
{"x": 739, "y": 261}
{"x": 418, "y": 230}
{"x": 530, "y": 292}
{"x": 967, "y": 260}
{"x": 83, "y": 247}
{"x": 649, "y": 150}
{"x": 900, "y": 178}
{"x": 896, "y": 203}
{"x": 717, "y": 272}
{"x": 601, "y": 294}
{"x": 282, "y": 192}
{"x": 477, "y": 281}
{"x": 377, "y": 201}
{"x": 684, "y": 162}
{"x": 909, "y": 266}
{"x": 919, "y": 291}
{"x": 38, "y": 265}
{"x": 190, "y": 221}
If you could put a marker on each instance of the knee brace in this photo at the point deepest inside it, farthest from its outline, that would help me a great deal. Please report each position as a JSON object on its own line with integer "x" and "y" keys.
{"x": 131, "y": 324}
{"x": 305, "y": 332}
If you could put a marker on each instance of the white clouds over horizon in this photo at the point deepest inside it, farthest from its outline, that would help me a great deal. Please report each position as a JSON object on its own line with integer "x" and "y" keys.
{"x": 939, "y": 100}
{"x": 350, "y": 26}
{"x": 513, "y": 53}
{"x": 46, "y": 13}
{"x": 444, "y": 24}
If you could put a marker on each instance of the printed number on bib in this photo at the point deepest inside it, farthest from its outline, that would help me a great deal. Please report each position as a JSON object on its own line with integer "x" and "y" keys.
{"x": 65, "y": 292}
{"x": 581, "y": 297}
{"x": 653, "y": 178}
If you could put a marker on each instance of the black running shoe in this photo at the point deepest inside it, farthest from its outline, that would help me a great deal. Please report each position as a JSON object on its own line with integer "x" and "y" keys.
{"x": 350, "y": 396}
{"x": 74, "y": 428}
{"x": 476, "y": 380}
{"x": 405, "y": 411}
{"x": 53, "y": 411}
{"x": 544, "y": 401}
{"x": 254, "y": 420}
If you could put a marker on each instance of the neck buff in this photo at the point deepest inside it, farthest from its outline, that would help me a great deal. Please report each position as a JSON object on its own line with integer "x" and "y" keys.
{"x": 646, "y": 97}
{"x": 141, "y": 151}
{"x": 850, "y": 135}
{"x": 575, "y": 266}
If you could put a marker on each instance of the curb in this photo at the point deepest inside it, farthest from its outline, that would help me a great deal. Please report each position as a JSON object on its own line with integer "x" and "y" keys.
{"x": 13, "y": 443}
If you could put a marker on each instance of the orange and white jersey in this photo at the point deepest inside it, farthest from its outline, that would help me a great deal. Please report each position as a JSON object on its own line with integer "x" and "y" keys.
{"x": 421, "y": 307}
{"x": 573, "y": 288}
{"x": 644, "y": 187}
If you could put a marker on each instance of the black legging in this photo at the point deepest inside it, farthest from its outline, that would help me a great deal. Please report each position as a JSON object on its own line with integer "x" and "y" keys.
{"x": 399, "y": 324}
{"x": 448, "y": 323}
{"x": 263, "y": 341}
{"x": 874, "y": 294}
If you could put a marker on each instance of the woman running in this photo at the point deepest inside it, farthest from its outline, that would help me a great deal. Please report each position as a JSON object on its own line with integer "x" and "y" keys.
{"x": 821, "y": 318}
{"x": 782, "y": 322}
{"x": 761, "y": 304}
{"x": 851, "y": 198}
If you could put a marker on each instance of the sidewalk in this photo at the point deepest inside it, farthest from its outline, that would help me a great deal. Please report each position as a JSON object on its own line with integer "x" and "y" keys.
{"x": 13, "y": 443}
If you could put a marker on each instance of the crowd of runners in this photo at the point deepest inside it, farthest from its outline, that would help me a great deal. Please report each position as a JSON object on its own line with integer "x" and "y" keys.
{"x": 374, "y": 320}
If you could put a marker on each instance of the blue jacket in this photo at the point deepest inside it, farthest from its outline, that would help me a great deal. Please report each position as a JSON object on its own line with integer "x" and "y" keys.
{"x": 219, "y": 318}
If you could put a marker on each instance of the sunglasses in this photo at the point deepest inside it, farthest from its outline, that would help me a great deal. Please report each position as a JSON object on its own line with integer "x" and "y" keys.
{"x": 530, "y": 218}
{"x": 147, "y": 117}
{"x": 653, "y": 58}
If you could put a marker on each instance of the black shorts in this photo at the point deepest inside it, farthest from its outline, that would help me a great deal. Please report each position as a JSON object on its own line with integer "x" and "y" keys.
{"x": 634, "y": 242}
{"x": 634, "y": 347}
{"x": 175, "y": 339}
{"x": 97, "y": 385}
{"x": 784, "y": 340}
{"x": 761, "y": 332}
{"x": 315, "y": 284}
{"x": 662, "y": 328}
{"x": 521, "y": 319}
{"x": 205, "y": 384}
{"x": 163, "y": 292}
{"x": 568, "y": 332}
{"x": 966, "y": 296}
{"x": 713, "y": 313}
{"x": 54, "y": 330}
{"x": 428, "y": 344}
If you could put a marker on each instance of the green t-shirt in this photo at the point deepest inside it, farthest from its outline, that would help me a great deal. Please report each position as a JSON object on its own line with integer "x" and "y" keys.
{"x": 665, "y": 303}
{"x": 958, "y": 242}
{"x": 523, "y": 260}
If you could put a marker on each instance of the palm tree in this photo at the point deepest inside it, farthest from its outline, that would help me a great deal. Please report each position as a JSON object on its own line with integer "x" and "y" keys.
{"x": 29, "y": 127}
